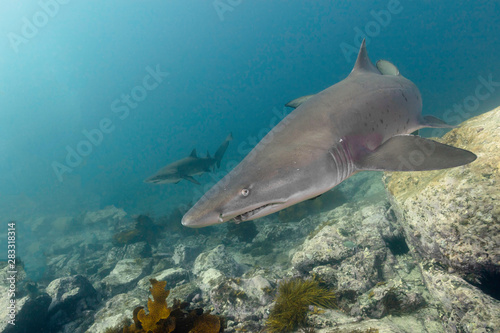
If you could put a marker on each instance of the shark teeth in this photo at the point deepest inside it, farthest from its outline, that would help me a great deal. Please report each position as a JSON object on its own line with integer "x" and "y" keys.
{"x": 245, "y": 216}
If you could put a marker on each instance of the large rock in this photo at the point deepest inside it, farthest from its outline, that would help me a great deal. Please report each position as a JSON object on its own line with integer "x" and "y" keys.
{"x": 219, "y": 259}
{"x": 453, "y": 215}
{"x": 173, "y": 276}
{"x": 240, "y": 299}
{"x": 464, "y": 307}
{"x": 339, "y": 241}
{"x": 184, "y": 254}
{"x": 31, "y": 315}
{"x": 209, "y": 279}
{"x": 126, "y": 274}
{"x": 112, "y": 314}
{"x": 326, "y": 247}
{"x": 71, "y": 298}
{"x": 107, "y": 216}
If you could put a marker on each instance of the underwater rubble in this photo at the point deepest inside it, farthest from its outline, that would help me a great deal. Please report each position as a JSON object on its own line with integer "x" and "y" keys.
{"x": 407, "y": 252}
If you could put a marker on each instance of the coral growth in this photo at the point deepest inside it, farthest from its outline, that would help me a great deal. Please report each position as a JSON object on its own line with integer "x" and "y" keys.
{"x": 293, "y": 301}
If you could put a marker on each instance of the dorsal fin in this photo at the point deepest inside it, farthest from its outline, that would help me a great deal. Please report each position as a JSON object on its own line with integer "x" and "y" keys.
{"x": 387, "y": 68}
{"x": 363, "y": 63}
{"x": 298, "y": 101}
{"x": 193, "y": 153}
{"x": 208, "y": 154}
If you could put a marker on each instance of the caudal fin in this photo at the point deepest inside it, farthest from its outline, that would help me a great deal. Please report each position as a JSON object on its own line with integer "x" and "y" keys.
{"x": 413, "y": 153}
{"x": 222, "y": 149}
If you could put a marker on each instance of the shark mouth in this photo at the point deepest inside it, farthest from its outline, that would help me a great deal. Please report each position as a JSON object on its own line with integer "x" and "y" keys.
{"x": 253, "y": 212}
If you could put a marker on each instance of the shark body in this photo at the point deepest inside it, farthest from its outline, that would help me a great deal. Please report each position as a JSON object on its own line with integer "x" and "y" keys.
{"x": 189, "y": 166}
{"x": 360, "y": 123}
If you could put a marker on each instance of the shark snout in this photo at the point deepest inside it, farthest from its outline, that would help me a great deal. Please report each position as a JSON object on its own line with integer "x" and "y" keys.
{"x": 193, "y": 220}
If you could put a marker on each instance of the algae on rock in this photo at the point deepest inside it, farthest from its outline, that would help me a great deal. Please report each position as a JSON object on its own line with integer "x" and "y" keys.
{"x": 453, "y": 215}
{"x": 451, "y": 219}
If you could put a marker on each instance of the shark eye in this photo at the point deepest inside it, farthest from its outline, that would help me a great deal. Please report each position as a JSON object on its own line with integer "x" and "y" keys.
{"x": 245, "y": 192}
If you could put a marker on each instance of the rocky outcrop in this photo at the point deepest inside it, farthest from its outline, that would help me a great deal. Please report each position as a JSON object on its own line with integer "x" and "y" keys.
{"x": 241, "y": 299}
{"x": 348, "y": 249}
{"x": 453, "y": 215}
{"x": 126, "y": 274}
{"x": 218, "y": 259}
{"x": 72, "y": 297}
{"x": 107, "y": 216}
{"x": 173, "y": 276}
{"x": 326, "y": 247}
{"x": 451, "y": 219}
{"x": 185, "y": 254}
{"x": 31, "y": 316}
{"x": 360, "y": 252}
{"x": 464, "y": 307}
{"x": 114, "y": 311}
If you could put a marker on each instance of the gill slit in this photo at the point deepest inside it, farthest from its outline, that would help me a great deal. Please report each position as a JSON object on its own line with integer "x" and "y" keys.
{"x": 343, "y": 160}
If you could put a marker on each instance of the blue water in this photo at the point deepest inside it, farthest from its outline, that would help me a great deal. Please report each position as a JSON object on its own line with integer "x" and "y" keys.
{"x": 65, "y": 65}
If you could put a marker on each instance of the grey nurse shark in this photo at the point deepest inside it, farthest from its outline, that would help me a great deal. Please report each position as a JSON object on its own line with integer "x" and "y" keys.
{"x": 360, "y": 123}
{"x": 189, "y": 166}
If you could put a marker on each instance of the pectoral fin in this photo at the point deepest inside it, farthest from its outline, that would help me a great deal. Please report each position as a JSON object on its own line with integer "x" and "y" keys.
{"x": 414, "y": 153}
{"x": 434, "y": 122}
{"x": 296, "y": 102}
{"x": 191, "y": 179}
{"x": 316, "y": 197}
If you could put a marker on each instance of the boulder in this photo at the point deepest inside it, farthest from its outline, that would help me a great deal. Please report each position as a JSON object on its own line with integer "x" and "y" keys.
{"x": 351, "y": 239}
{"x": 209, "y": 279}
{"x": 219, "y": 259}
{"x": 107, "y": 216}
{"x": 70, "y": 297}
{"x": 185, "y": 254}
{"x": 173, "y": 276}
{"x": 453, "y": 215}
{"x": 125, "y": 275}
{"x": 326, "y": 247}
{"x": 114, "y": 311}
{"x": 240, "y": 299}
{"x": 137, "y": 250}
{"x": 189, "y": 292}
{"x": 31, "y": 316}
{"x": 464, "y": 307}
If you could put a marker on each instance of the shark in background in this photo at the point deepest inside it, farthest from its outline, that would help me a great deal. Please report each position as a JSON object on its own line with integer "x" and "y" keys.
{"x": 190, "y": 166}
{"x": 360, "y": 123}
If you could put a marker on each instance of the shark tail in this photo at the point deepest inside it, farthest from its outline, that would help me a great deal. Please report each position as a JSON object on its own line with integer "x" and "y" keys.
{"x": 222, "y": 149}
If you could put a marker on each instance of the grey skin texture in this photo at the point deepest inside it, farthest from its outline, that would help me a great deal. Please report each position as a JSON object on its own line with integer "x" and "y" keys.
{"x": 189, "y": 166}
{"x": 360, "y": 123}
